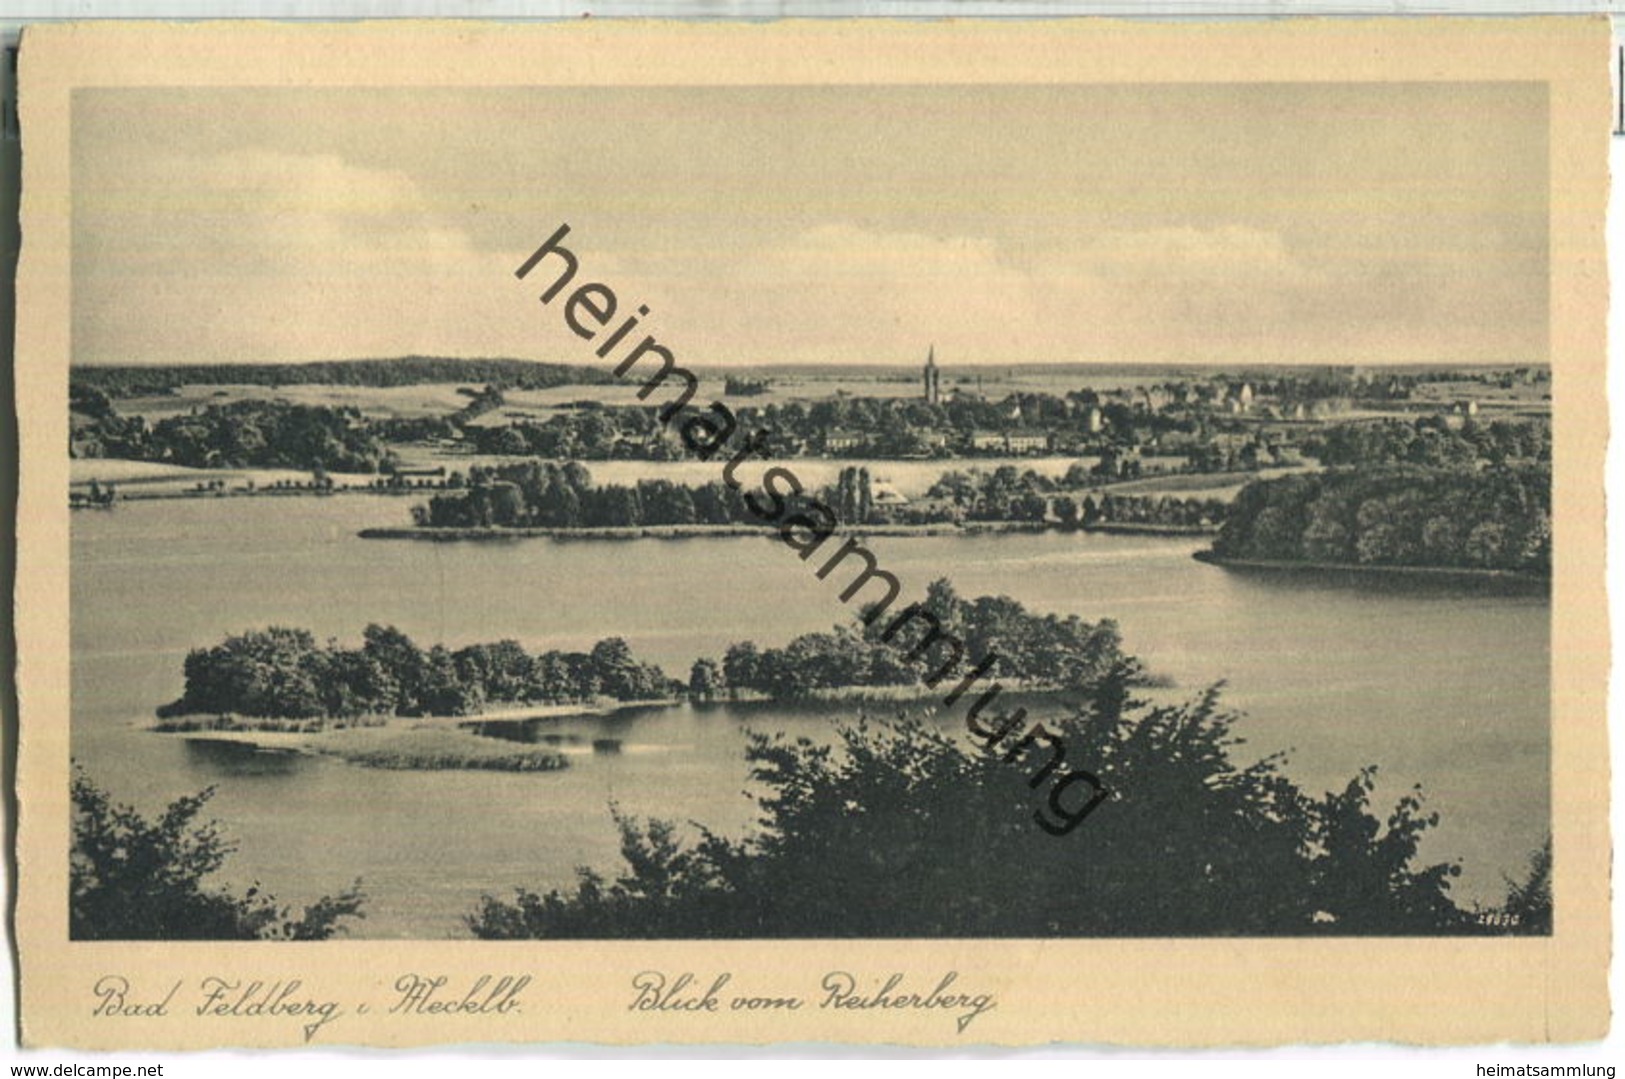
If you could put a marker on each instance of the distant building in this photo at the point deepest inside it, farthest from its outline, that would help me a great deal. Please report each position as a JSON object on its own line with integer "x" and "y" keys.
{"x": 884, "y": 494}
{"x": 933, "y": 378}
{"x": 838, "y": 441}
{"x": 987, "y": 440}
{"x": 1010, "y": 442}
{"x": 1026, "y": 442}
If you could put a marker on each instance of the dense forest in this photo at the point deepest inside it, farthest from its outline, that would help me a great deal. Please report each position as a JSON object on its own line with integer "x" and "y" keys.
{"x": 284, "y": 673}
{"x": 1072, "y": 500}
{"x": 903, "y": 829}
{"x": 1037, "y": 651}
{"x": 140, "y": 380}
{"x": 1398, "y": 515}
{"x": 241, "y": 434}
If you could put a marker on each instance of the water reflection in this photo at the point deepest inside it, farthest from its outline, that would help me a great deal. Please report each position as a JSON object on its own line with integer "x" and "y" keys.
{"x": 234, "y": 760}
{"x": 1410, "y": 584}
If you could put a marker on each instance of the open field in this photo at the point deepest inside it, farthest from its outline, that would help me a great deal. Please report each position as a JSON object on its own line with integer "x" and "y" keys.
{"x": 790, "y": 384}
{"x": 406, "y": 402}
{"x": 1519, "y": 396}
{"x": 785, "y": 384}
{"x": 1220, "y": 485}
{"x": 156, "y": 476}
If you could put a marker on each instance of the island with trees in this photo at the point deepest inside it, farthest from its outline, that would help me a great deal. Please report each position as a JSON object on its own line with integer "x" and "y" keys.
{"x": 933, "y": 830}
{"x": 376, "y": 705}
{"x": 1035, "y": 652}
{"x": 544, "y": 498}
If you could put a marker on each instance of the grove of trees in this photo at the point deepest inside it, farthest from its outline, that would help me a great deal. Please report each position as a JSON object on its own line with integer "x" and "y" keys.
{"x": 242, "y": 434}
{"x": 1398, "y": 515}
{"x": 1431, "y": 441}
{"x": 285, "y": 674}
{"x": 548, "y": 495}
{"x": 1037, "y": 651}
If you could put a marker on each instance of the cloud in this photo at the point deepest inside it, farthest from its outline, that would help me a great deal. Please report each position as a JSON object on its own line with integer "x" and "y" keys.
{"x": 257, "y": 255}
{"x": 844, "y": 293}
{"x": 252, "y": 255}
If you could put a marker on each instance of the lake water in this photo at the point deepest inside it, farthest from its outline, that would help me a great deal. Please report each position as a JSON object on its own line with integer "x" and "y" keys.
{"x": 1442, "y": 686}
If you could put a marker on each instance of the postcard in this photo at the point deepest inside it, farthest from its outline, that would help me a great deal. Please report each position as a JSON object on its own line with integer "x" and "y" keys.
{"x": 948, "y": 534}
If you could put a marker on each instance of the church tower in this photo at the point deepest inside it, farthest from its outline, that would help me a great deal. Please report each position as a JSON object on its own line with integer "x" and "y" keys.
{"x": 933, "y": 378}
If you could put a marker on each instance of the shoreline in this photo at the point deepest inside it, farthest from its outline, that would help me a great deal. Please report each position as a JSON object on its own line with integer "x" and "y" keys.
{"x": 375, "y": 733}
{"x": 695, "y": 531}
{"x": 509, "y": 714}
{"x": 1439, "y": 573}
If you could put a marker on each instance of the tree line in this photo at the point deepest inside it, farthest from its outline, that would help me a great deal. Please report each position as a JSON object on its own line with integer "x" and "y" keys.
{"x": 1431, "y": 441}
{"x": 543, "y": 494}
{"x": 133, "y": 380}
{"x": 1009, "y": 494}
{"x": 1037, "y": 651}
{"x": 588, "y": 431}
{"x": 1157, "y": 510}
{"x": 284, "y": 673}
{"x": 1398, "y": 515}
{"x": 241, "y": 434}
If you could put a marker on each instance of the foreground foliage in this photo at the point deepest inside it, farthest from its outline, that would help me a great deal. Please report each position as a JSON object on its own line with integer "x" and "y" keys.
{"x": 131, "y": 878}
{"x": 902, "y": 830}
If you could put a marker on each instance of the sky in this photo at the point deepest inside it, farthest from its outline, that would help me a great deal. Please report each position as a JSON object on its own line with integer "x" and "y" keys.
{"x": 1192, "y": 223}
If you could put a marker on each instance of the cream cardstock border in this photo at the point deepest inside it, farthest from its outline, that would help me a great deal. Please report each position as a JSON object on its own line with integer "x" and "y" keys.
{"x": 1150, "y": 992}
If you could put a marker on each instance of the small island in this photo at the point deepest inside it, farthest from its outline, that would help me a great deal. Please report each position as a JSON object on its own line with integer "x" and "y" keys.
{"x": 544, "y": 498}
{"x": 391, "y": 704}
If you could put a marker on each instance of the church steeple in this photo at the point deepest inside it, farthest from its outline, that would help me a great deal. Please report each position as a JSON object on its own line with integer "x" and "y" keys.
{"x": 933, "y": 377}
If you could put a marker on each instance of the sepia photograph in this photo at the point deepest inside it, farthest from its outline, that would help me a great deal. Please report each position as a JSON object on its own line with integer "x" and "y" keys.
{"x": 1062, "y": 510}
